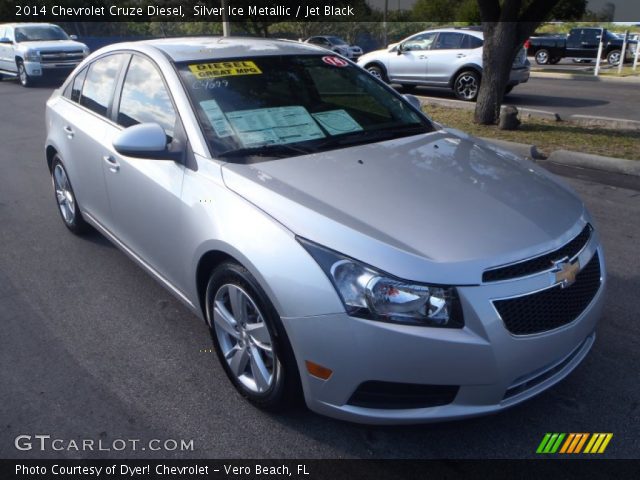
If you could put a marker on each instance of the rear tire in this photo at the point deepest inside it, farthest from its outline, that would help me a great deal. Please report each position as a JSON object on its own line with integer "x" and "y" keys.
{"x": 378, "y": 72}
{"x": 613, "y": 57}
{"x": 467, "y": 85}
{"x": 542, "y": 56}
{"x": 250, "y": 340}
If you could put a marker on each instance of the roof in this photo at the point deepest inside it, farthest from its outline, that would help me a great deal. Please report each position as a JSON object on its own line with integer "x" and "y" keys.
{"x": 205, "y": 48}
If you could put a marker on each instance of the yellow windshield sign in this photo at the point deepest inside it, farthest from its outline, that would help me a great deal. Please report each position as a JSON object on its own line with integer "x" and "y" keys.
{"x": 204, "y": 71}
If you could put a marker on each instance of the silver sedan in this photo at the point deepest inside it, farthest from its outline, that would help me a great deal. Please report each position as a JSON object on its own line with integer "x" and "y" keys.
{"x": 342, "y": 247}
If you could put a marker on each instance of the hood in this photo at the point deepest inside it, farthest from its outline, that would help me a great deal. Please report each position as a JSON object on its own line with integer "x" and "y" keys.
{"x": 52, "y": 45}
{"x": 442, "y": 196}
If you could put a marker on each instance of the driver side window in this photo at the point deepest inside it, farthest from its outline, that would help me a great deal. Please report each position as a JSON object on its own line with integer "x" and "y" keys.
{"x": 422, "y": 41}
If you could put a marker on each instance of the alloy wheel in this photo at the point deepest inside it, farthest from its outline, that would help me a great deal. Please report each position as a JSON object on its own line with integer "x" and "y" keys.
{"x": 244, "y": 338}
{"x": 64, "y": 194}
{"x": 542, "y": 57}
{"x": 467, "y": 86}
{"x": 614, "y": 58}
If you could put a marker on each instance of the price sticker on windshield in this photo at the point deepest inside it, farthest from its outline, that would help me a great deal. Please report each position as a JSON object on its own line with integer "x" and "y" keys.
{"x": 335, "y": 61}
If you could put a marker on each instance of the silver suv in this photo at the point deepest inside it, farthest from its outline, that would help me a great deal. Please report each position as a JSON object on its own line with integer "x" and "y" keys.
{"x": 450, "y": 58}
{"x": 35, "y": 50}
{"x": 335, "y": 240}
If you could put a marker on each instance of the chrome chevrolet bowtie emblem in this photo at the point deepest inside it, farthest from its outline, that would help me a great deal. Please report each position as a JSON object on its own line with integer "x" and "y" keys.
{"x": 566, "y": 272}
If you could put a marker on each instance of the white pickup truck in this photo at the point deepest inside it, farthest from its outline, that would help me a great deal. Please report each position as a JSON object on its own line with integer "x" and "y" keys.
{"x": 35, "y": 50}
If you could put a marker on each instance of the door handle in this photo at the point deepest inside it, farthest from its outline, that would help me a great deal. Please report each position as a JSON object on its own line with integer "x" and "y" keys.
{"x": 423, "y": 57}
{"x": 69, "y": 131}
{"x": 461, "y": 55}
{"x": 113, "y": 164}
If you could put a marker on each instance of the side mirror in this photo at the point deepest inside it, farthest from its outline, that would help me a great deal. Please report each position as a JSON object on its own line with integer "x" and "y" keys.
{"x": 146, "y": 140}
{"x": 73, "y": 37}
{"x": 6, "y": 40}
{"x": 400, "y": 49}
{"x": 413, "y": 100}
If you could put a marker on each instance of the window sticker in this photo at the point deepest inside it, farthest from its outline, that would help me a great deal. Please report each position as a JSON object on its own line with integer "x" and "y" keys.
{"x": 216, "y": 118}
{"x": 276, "y": 125}
{"x": 335, "y": 61}
{"x": 337, "y": 121}
{"x": 204, "y": 71}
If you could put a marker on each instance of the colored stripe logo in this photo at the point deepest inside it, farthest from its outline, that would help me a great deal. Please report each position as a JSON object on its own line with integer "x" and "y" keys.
{"x": 574, "y": 443}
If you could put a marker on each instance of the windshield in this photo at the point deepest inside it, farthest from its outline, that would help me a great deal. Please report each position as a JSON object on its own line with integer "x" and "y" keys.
{"x": 337, "y": 41}
{"x": 293, "y": 105}
{"x": 38, "y": 33}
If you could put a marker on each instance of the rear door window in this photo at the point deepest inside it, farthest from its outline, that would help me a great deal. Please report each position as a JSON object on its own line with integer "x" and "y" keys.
{"x": 100, "y": 82}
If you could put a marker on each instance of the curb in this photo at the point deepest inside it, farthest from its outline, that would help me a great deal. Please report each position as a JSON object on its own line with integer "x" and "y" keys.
{"x": 530, "y": 152}
{"x": 585, "y": 77}
{"x": 595, "y": 162}
{"x": 570, "y": 158}
{"x": 605, "y": 122}
{"x": 526, "y": 112}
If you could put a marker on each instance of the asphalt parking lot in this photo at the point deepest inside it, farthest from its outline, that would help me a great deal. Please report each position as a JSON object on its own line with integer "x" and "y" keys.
{"x": 93, "y": 348}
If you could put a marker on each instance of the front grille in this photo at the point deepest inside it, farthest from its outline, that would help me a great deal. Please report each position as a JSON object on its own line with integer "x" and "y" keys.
{"x": 61, "y": 56}
{"x": 553, "y": 307}
{"x": 541, "y": 263}
{"x": 391, "y": 395}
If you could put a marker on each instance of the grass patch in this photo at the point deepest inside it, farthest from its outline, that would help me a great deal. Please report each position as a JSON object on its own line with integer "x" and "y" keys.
{"x": 547, "y": 135}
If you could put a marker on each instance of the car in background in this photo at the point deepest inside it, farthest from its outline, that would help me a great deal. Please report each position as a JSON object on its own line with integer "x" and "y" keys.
{"x": 32, "y": 51}
{"x": 450, "y": 58}
{"x": 581, "y": 43}
{"x": 337, "y": 45}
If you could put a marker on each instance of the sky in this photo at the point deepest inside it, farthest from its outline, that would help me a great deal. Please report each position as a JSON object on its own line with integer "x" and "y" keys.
{"x": 626, "y": 10}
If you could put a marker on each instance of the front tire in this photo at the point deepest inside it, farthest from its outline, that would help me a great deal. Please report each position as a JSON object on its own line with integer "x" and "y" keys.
{"x": 542, "y": 56}
{"x": 23, "y": 76}
{"x": 467, "y": 86}
{"x": 250, "y": 340}
{"x": 66, "y": 199}
{"x": 378, "y": 72}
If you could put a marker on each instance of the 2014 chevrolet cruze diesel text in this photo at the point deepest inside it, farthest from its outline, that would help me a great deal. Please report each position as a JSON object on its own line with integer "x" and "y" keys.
{"x": 337, "y": 242}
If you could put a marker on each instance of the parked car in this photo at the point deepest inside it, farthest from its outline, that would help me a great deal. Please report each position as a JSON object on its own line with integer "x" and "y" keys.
{"x": 581, "y": 43}
{"x": 335, "y": 240}
{"x": 450, "y": 58}
{"x": 336, "y": 44}
{"x": 31, "y": 51}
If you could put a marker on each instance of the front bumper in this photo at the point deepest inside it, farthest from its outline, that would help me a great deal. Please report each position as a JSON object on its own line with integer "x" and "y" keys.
{"x": 493, "y": 368}
{"x": 39, "y": 69}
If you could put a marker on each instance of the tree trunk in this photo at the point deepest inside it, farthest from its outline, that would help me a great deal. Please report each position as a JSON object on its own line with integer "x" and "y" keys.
{"x": 501, "y": 44}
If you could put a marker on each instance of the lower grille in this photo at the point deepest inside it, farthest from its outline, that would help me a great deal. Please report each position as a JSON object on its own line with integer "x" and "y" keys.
{"x": 391, "y": 395}
{"x": 522, "y": 386}
{"x": 553, "y": 307}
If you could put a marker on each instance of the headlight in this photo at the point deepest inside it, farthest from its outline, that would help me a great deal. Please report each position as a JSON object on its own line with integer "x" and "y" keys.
{"x": 86, "y": 51}
{"x": 369, "y": 293}
{"x": 32, "y": 56}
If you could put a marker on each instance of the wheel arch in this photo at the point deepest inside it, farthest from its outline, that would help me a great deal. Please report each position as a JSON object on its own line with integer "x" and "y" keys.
{"x": 50, "y": 152}
{"x": 208, "y": 262}
{"x": 466, "y": 67}
{"x": 376, "y": 63}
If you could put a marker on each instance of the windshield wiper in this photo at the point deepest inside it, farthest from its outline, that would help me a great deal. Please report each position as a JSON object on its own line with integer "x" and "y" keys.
{"x": 270, "y": 150}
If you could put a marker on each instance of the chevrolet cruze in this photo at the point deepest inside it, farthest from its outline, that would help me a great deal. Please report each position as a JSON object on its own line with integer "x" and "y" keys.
{"x": 342, "y": 247}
